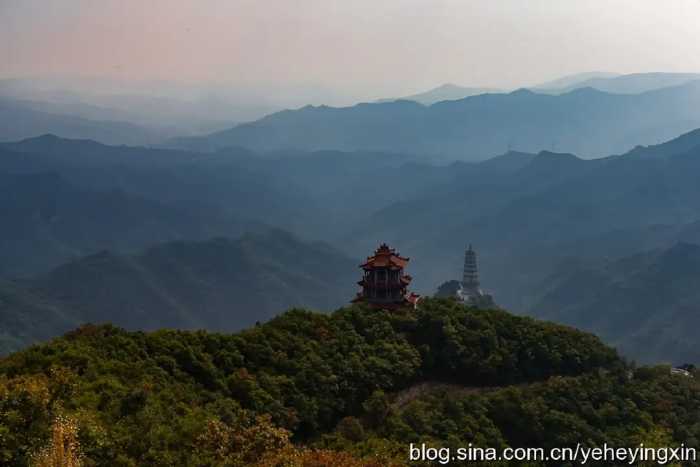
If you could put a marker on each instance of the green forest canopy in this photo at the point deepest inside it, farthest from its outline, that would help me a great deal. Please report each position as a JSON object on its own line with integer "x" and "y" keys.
{"x": 332, "y": 382}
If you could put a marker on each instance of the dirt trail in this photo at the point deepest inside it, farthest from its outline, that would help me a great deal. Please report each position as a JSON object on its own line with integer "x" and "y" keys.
{"x": 403, "y": 398}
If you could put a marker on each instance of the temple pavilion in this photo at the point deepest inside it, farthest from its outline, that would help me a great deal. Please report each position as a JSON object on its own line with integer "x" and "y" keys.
{"x": 384, "y": 284}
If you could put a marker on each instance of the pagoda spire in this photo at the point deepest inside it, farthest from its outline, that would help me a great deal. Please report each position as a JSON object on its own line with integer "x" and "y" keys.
{"x": 470, "y": 276}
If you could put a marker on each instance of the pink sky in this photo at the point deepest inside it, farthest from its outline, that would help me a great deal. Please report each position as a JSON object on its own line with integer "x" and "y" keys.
{"x": 360, "y": 46}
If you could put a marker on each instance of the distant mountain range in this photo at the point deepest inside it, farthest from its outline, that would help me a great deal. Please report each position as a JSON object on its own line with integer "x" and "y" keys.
{"x": 526, "y": 213}
{"x": 219, "y": 284}
{"x": 167, "y": 108}
{"x": 613, "y": 83}
{"x": 68, "y": 198}
{"x": 634, "y": 83}
{"x": 529, "y": 215}
{"x": 153, "y": 114}
{"x": 451, "y": 92}
{"x": 586, "y": 122}
{"x": 318, "y": 195}
{"x": 24, "y": 119}
{"x": 47, "y": 220}
{"x": 445, "y": 92}
{"x": 574, "y": 79}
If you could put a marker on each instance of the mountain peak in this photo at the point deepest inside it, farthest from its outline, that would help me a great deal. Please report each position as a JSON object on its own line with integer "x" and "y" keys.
{"x": 47, "y": 137}
{"x": 522, "y": 92}
{"x": 510, "y": 160}
{"x": 443, "y": 92}
{"x": 574, "y": 79}
{"x": 50, "y": 140}
{"x": 448, "y": 87}
{"x": 547, "y": 163}
{"x": 558, "y": 156}
{"x": 586, "y": 91}
{"x": 680, "y": 145}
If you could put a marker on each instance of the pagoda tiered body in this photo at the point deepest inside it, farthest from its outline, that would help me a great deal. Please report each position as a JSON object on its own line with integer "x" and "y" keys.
{"x": 469, "y": 291}
{"x": 384, "y": 284}
{"x": 470, "y": 276}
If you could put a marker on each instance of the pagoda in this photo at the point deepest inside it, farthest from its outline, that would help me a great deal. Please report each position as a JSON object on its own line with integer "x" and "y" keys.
{"x": 470, "y": 274}
{"x": 469, "y": 290}
{"x": 384, "y": 284}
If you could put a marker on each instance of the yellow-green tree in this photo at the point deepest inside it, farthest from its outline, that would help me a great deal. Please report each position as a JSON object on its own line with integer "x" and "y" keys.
{"x": 63, "y": 449}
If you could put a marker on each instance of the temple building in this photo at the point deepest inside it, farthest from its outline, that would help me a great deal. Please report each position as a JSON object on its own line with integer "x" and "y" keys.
{"x": 384, "y": 284}
{"x": 470, "y": 286}
{"x": 468, "y": 290}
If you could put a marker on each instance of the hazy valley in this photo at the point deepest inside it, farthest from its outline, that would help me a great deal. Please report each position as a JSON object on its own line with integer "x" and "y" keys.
{"x": 230, "y": 259}
{"x": 532, "y": 216}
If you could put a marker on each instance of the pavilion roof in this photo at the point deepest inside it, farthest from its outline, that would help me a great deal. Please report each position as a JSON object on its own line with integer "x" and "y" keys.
{"x": 385, "y": 257}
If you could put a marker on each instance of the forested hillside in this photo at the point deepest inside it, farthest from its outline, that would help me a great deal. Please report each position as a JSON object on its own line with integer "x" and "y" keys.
{"x": 335, "y": 382}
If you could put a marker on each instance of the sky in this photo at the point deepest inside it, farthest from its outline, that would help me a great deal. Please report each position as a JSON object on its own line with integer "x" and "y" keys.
{"x": 359, "y": 48}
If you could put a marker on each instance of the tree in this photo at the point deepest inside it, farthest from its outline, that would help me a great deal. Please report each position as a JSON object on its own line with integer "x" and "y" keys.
{"x": 63, "y": 449}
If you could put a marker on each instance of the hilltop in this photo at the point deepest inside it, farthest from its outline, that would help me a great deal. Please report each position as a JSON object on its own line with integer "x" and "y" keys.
{"x": 444, "y": 92}
{"x": 336, "y": 382}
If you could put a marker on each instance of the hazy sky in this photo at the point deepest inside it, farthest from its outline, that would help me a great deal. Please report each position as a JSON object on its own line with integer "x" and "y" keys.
{"x": 361, "y": 47}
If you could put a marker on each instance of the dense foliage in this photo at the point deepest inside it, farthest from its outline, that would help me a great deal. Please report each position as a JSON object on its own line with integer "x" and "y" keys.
{"x": 330, "y": 382}
{"x": 649, "y": 406}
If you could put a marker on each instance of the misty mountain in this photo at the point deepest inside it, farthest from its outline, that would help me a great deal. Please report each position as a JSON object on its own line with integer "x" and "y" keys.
{"x": 526, "y": 213}
{"x": 546, "y": 208}
{"x": 358, "y": 199}
{"x": 445, "y": 92}
{"x": 685, "y": 143}
{"x": 49, "y": 151}
{"x": 182, "y": 195}
{"x": 645, "y": 304}
{"x": 23, "y": 119}
{"x": 634, "y": 83}
{"x": 164, "y": 116}
{"x": 573, "y": 80}
{"x": 26, "y": 317}
{"x": 228, "y": 182}
{"x": 218, "y": 284}
{"x": 315, "y": 194}
{"x": 586, "y": 122}
{"x": 186, "y": 109}
{"x": 159, "y": 107}
{"x": 46, "y": 220}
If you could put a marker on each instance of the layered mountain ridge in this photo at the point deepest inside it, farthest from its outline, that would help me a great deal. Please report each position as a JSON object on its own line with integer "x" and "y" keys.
{"x": 219, "y": 284}
{"x": 584, "y": 121}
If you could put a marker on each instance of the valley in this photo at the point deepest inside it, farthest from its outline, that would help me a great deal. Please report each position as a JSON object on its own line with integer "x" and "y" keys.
{"x": 533, "y": 217}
